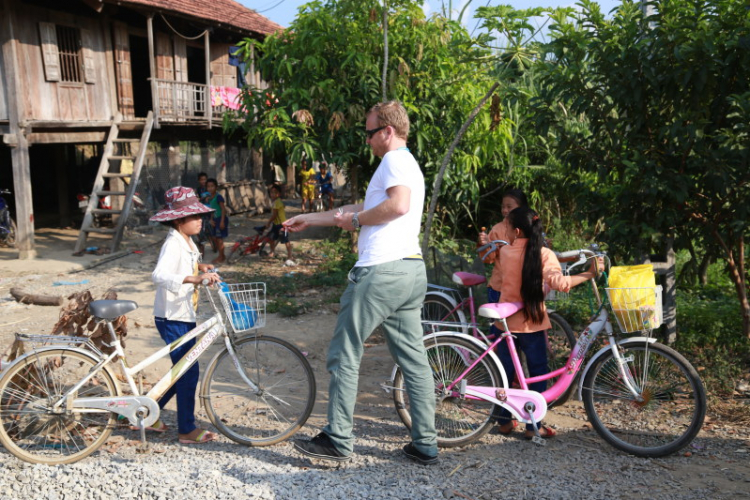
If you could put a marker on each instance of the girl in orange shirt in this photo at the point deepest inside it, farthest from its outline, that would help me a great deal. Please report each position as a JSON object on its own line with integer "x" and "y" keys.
{"x": 512, "y": 199}
{"x": 526, "y": 265}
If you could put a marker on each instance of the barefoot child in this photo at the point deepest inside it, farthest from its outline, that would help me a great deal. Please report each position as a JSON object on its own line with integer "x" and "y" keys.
{"x": 177, "y": 272}
{"x": 220, "y": 222}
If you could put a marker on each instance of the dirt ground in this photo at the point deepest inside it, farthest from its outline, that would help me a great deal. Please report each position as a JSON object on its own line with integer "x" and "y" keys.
{"x": 718, "y": 456}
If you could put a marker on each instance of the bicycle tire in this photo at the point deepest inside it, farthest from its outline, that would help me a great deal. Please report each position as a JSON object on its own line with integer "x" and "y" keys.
{"x": 560, "y": 342}
{"x": 30, "y": 430}
{"x": 9, "y": 238}
{"x": 283, "y": 403}
{"x": 439, "y": 309}
{"x": 673, "y": 409}
{"x": 458, "y": 421}
{"x": 238, "y": 251}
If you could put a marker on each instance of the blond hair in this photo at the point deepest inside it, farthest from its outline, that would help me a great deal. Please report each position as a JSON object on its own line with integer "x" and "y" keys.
{"x": 392, "y": 113}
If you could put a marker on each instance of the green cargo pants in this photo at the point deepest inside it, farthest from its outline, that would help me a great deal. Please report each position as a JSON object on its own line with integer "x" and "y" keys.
{"x": 390, "y": 294}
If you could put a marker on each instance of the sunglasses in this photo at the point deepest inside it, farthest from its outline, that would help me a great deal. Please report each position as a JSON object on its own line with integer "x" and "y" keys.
{"x": 374, "y": 131}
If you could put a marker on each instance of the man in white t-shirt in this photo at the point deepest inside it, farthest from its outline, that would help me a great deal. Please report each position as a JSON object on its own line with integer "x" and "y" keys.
{"x": 386, "y": 286}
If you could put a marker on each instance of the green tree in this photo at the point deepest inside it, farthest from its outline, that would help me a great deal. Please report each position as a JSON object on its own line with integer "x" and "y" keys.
{"x": 658, "y": 109}
{"x": 325, "y": 71}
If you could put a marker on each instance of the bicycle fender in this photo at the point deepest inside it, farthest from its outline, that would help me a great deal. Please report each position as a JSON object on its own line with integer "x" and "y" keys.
{"x": 453, "y": 302}
{"x": 443, "y": 295}
{"x": 601, "y": 353}
{"x": 85, "y": 352}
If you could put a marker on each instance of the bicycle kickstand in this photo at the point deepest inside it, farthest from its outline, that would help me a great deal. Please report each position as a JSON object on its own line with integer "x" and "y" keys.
{"x": 537, "y": 439}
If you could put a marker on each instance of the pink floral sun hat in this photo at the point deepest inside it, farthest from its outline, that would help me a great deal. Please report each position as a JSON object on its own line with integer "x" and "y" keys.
{"x": 180, "y": 202}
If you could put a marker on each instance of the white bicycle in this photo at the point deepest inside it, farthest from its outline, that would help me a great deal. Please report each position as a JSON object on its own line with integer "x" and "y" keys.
{"x": 60, "y": 402}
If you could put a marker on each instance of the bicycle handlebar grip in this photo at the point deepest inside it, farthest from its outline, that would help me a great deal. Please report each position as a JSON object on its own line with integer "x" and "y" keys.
{"x": 569, "y": 253}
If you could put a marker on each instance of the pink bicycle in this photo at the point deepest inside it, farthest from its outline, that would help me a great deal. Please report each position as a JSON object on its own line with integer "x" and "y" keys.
{"x": 640, "y": 396}
{"x": 447, "y": 308}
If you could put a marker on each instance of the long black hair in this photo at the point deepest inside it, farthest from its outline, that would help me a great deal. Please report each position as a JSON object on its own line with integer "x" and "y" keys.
{"x": 532, "y": 291}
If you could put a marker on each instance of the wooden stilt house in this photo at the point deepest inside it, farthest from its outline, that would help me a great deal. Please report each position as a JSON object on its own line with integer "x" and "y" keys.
{"x": 117, "y": 75}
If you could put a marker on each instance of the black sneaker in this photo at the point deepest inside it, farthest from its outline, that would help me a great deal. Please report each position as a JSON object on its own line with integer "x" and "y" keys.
{"x": 412, "y": 452}
{"x": 320, "y": 447}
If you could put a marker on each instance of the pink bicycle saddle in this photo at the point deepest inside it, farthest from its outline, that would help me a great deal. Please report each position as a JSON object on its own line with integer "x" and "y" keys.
{"x": 500, "y": 311}
{"x": 468, "y": 279}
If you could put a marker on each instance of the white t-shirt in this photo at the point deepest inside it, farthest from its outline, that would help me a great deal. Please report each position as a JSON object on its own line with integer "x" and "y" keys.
{"x": 398, "y": 238}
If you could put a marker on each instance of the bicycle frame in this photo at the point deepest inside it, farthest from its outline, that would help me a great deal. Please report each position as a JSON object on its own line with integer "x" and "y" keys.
{"x": 517, "y": 400}
{"x": 131, "y": 406}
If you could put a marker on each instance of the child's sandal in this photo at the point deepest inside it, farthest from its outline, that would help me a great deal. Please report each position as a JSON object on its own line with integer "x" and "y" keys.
{"x": 544, "y": 432}
{"x": 507, "y": 428}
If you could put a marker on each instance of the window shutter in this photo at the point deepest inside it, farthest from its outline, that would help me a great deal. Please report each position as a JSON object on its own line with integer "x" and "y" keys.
{"x": 89, "y": 65}
{"x": 50, "y": 54}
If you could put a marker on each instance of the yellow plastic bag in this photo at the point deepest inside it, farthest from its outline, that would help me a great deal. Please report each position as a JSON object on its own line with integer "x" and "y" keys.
{"x": 633, "y": 295}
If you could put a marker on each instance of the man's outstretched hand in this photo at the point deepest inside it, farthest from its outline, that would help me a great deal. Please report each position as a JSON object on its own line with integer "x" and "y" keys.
{"x": 296, "y": 224}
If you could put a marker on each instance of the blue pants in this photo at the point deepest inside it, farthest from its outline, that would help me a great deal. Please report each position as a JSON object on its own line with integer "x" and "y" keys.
{"x": 186, "y": 385}
{"x": 534, "y": 346}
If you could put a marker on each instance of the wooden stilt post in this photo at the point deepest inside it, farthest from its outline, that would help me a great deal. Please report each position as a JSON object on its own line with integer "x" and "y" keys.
{"x": 19, "y": 144}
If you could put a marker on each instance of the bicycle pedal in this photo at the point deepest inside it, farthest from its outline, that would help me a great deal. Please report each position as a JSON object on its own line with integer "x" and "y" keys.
{"x": 539, "y": 441}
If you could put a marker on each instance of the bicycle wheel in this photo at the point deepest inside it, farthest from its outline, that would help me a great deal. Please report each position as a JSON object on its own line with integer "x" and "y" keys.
{"x": 282, "y": 403}
{"x": 239, "y": 250}
{"x": 459, "y": 421}
{"x": 437, "y": 308}
{"x": 35, "y": 432}
{"x": 9, "y": 237}
{"x": 672, "y": 401}
{"x": 560, "y": 342}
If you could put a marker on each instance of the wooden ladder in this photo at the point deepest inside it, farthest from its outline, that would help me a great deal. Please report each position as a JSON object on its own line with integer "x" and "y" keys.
{"x": 123, "y": 151}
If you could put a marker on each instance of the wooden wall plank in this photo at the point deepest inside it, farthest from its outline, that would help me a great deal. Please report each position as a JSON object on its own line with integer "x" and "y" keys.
{"x": 164, "y": 57}
{"x": 3, "y": 87}
{"x": 42, "y": 97}
{"x": 222, "y": 74}
{"x": 123, "y": 70}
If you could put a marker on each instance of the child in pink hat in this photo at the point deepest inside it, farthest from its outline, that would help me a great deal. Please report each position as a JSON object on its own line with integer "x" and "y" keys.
{"x": 176, "y": 275}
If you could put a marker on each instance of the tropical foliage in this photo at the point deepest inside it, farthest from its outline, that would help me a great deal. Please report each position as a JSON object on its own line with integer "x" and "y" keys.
{"x": 651, "y": 114}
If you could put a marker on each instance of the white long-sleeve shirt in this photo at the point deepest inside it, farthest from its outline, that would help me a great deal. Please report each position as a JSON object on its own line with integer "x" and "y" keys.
{"x": 178, "y": 258}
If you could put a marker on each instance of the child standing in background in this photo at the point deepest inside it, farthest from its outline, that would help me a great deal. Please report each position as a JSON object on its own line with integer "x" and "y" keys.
{"x": 220, "y": 222}
{"x": 278, "y": 216}
{"x": 307, "y": 181}
{"x": 177, "y": 272}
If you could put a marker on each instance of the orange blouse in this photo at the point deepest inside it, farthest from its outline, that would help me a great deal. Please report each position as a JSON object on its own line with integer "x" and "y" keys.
{"x": 512, "y": 267}
{"x": 500, "y": 231}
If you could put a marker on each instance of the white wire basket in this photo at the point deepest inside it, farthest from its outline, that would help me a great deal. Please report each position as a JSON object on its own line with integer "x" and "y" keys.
{"x": 244, "y": 305}
{"x": 636, "y": 309}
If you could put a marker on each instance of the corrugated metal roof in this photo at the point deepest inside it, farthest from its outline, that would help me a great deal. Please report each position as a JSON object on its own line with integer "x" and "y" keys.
{"x": 227, "y": 12}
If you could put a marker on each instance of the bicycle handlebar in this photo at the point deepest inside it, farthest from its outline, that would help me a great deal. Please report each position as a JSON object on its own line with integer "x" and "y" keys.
{"x": 492, "y": 245}
{"x": 583, "y": 254}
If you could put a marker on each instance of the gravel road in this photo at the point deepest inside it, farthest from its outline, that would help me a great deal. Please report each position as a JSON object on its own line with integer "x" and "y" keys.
{"x": 577, "y": 464}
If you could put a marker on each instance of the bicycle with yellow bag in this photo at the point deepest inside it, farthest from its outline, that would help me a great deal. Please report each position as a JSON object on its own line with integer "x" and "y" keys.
{"x": 640, "y": 396}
